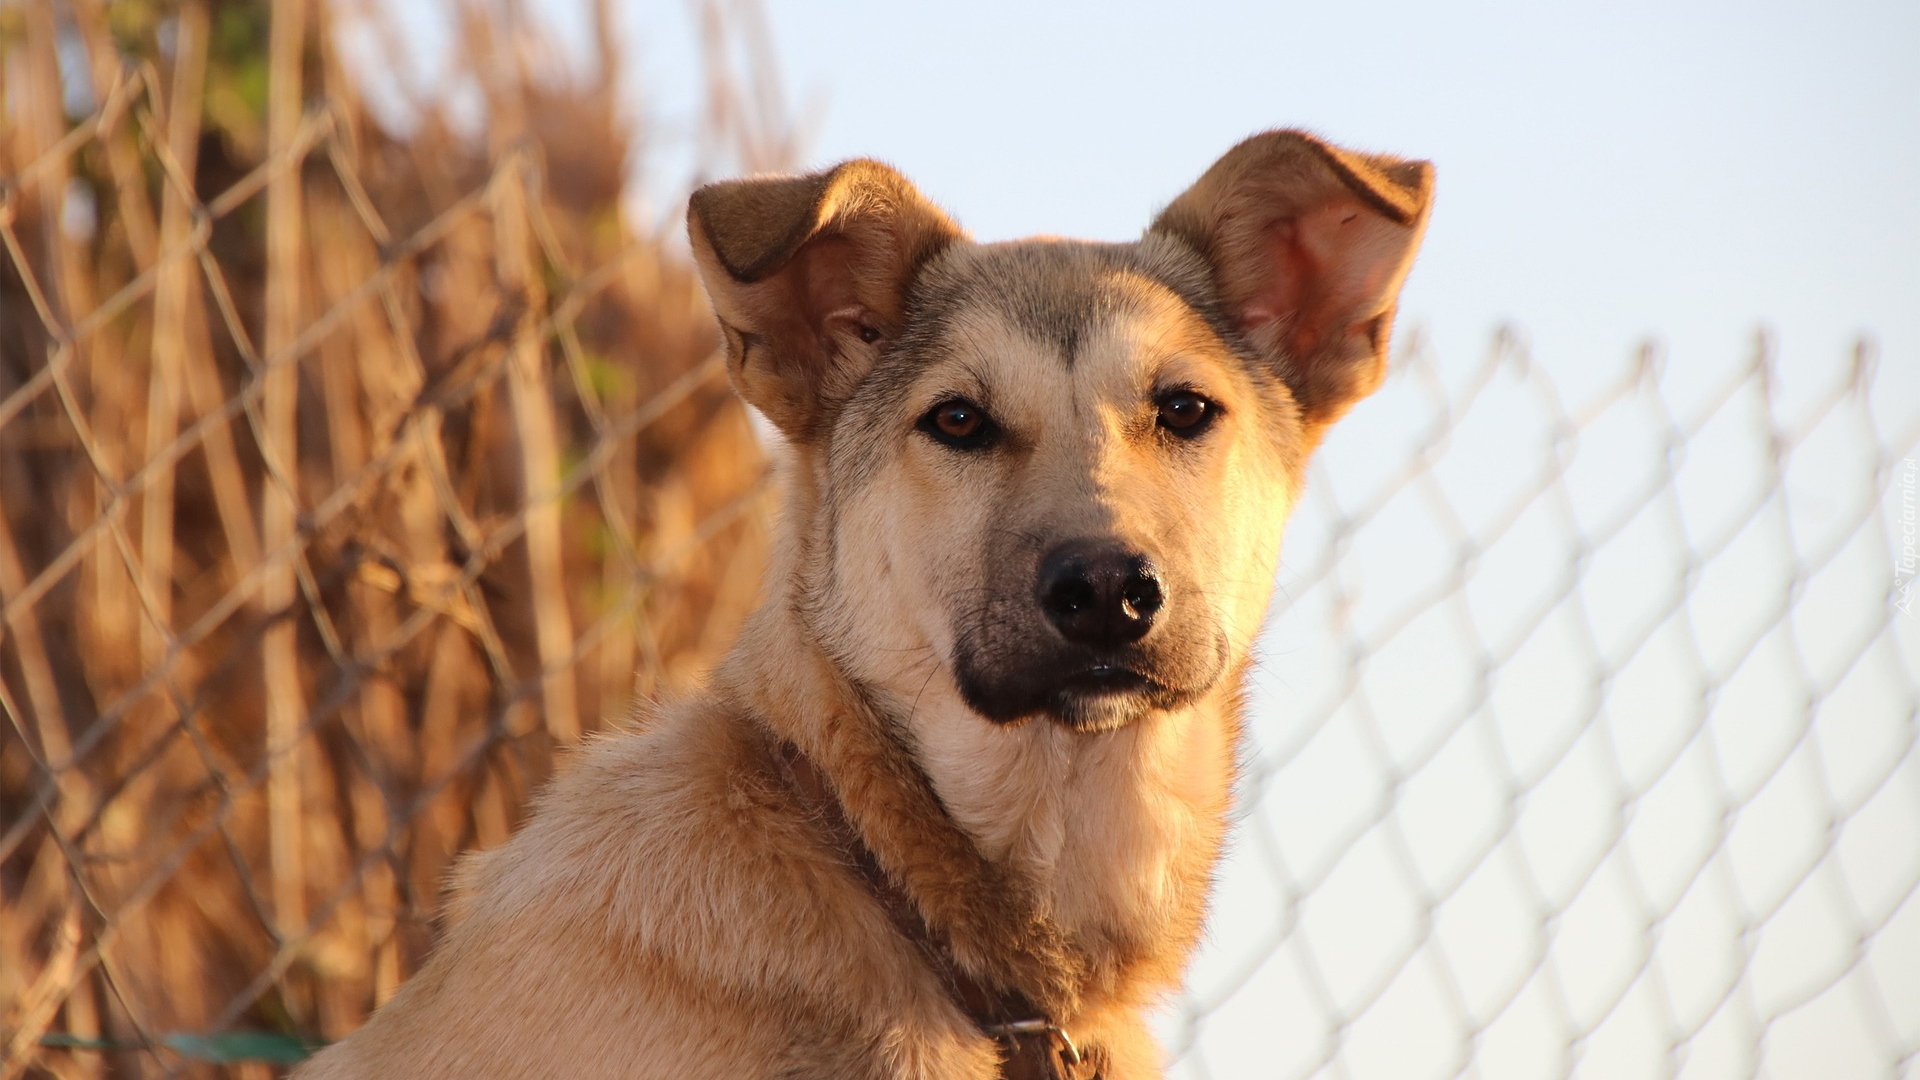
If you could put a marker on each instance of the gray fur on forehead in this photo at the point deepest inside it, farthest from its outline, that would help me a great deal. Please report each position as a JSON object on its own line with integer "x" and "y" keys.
{"x": 1053, "y": 290}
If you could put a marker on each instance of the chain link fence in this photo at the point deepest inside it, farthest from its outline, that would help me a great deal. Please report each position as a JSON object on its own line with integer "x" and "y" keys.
{"x": 1585, "y": 739}
{"x": 345, "y": 476}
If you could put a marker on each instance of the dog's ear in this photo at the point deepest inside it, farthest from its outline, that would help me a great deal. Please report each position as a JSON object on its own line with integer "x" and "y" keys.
{"x": 1309, "y": 244}
{"x": 808, "y": 275}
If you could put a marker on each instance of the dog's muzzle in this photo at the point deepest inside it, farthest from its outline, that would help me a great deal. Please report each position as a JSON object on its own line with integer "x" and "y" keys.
{"x": 1098, "y": 640}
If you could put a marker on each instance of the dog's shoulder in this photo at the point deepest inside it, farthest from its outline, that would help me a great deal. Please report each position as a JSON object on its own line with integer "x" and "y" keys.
{"x": 663, "y": 883}
{"x": 678, "y": 799}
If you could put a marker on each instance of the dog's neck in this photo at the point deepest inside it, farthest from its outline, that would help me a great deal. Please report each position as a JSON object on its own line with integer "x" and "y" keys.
{"x": 781, "y": 680}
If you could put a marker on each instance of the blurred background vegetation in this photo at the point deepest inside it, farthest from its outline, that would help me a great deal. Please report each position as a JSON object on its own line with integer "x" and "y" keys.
{"x": 349, "y": 468}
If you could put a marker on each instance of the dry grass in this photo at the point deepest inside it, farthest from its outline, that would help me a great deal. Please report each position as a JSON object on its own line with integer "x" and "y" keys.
{"x": 345, "y": 476}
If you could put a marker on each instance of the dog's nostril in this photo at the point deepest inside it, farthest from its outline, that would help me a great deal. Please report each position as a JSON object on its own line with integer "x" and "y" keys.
{"x": 1099, "y": 593}
{"x": 1071, "y": 595}
{"x": 1141, "y": 593}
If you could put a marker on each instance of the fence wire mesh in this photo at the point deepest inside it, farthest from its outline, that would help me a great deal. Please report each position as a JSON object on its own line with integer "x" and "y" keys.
{"x": 1584, "y": 740}
{"x": 345, "y": 477}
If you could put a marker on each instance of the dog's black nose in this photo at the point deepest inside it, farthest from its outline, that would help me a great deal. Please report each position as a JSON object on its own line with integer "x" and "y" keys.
{"x": 1099, "y": 593}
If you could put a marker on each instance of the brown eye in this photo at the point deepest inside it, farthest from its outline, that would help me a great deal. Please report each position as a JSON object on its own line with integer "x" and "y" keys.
{"x": 959, "y": 423}
{"x": 1186, "y": 414}
{"x": 958, "y": 420}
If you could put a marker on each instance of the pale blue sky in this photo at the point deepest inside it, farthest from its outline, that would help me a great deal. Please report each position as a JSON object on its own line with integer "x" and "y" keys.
{"x": 1607, "y": 172}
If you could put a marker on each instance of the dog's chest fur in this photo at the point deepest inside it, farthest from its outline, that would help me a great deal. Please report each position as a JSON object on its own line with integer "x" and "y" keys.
{"x": 1114, "y": 832}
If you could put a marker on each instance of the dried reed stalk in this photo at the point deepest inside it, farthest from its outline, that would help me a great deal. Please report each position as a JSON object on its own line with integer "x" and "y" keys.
{"x": 279, "y": 488}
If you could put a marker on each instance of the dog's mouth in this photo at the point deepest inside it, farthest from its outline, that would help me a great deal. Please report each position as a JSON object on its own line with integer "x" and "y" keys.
{"x": 1099, "y": 679}
{"x": 1013, "y": 677}
{"x": 1105, "y": 697}
{"x": 1082, "y": 693}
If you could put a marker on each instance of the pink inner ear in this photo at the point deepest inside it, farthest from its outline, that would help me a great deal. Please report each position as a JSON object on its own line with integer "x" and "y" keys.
{"x": 831, "y": 294}
{"x": 1326, "y": 275}
{"x": 826, "y": 279}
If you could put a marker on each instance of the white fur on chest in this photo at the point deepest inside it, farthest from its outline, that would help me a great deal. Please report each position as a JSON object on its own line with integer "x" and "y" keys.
{"x": 1100, "y": 822}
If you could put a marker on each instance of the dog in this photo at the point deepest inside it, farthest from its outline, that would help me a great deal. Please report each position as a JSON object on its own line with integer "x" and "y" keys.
{"x": 951, "y": 807}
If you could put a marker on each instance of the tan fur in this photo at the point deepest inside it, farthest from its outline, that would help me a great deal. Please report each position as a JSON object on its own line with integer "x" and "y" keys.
{"x": 671, "y": 908}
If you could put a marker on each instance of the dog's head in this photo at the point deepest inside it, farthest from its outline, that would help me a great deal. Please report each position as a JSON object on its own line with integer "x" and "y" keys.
{"x": 1052, "y": 475}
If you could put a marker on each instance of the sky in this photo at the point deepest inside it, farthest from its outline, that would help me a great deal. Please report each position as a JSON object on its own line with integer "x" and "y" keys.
{"x": 1688, "y": 170}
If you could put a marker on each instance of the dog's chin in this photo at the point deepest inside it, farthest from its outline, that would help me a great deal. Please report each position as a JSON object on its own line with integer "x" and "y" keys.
{"x": 1095, "y": 713}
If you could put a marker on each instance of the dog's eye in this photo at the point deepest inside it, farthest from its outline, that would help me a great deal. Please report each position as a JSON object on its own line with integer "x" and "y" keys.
{"x": 960, "y": 424}
{"x": 1186, "y": 414}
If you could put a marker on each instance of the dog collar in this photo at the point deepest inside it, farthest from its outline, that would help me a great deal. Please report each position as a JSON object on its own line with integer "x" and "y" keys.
{"x": 1036, "y": 1047}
